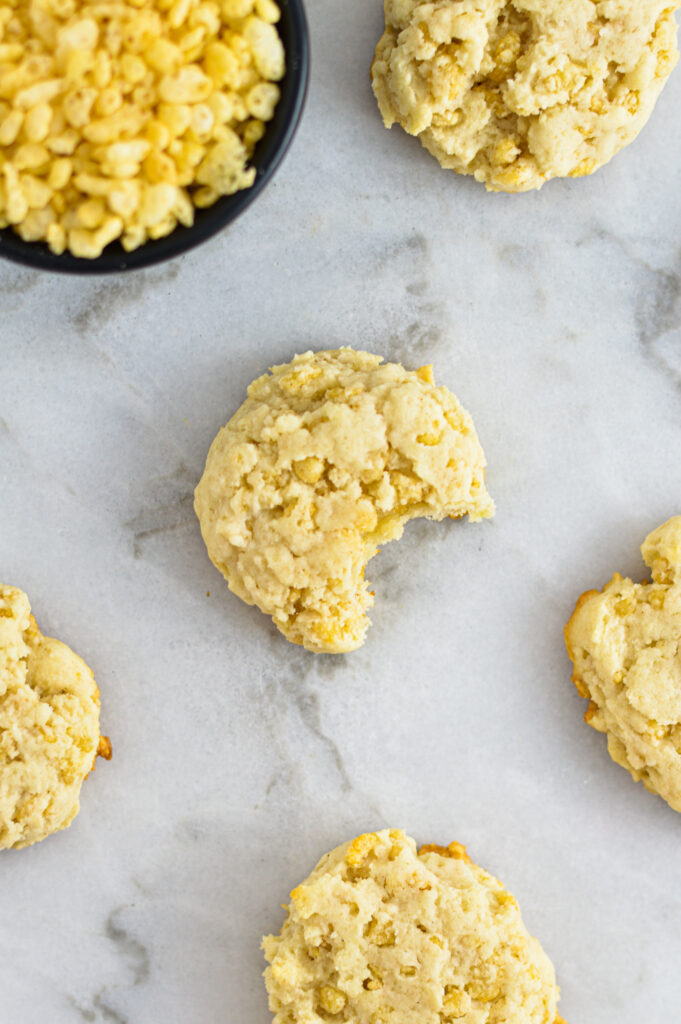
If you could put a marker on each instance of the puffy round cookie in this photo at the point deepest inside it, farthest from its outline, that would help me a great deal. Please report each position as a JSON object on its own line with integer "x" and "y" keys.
{"x": 625, "y": 644}
{"x": 49, "y": 727}
{"x": 328, "y": 458}
{"x": 516, "y": 92}
{"x": 381, "y": 934}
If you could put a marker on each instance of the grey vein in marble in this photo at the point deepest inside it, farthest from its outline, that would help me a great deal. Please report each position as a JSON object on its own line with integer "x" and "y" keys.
{"x": 239, "y": 760}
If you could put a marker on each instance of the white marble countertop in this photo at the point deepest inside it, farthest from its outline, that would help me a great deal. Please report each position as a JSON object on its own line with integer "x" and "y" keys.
{"x": 238, "y": 759}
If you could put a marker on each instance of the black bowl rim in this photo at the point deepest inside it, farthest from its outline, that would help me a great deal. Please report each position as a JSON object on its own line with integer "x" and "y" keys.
{"x": 213, "y": 219}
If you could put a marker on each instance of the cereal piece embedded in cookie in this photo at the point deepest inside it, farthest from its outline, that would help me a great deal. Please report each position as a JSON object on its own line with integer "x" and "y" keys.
{"x": 381, "y": 934}
{"x": 625, "y": 644}
{"x": 49, "y": 727}
{"x": 328, "y": 458}
{"x": 516, "y": 92}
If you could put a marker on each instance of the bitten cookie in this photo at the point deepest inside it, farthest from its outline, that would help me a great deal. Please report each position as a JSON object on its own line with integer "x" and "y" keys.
{"x": 381, "y": 934}
{"x": 328, "y": 458}
{"x": 625, "y": 643}
{"x": 516, "y": 92}
{"x": 49, "y": 727}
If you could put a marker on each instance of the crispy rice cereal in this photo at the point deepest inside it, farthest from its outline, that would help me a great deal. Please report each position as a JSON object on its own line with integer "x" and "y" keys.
{"x": 49, "y": 727}
{"x": 328, "y": 458}
{"x": 516, "y": 92}
{"x": 379, "y": 934}
{"x": 118, "y": 117}
{"x": 625, "y": 643}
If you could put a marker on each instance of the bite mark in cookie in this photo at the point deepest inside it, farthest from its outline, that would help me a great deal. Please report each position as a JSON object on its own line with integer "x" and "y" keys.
{"x": 328, "y": 458}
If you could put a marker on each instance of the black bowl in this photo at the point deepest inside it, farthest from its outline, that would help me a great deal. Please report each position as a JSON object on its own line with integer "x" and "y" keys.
{"x": 267, "y": 156}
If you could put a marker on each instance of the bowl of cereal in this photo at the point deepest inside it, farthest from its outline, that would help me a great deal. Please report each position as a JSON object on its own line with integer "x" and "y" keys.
{"x": 130, "y": 132}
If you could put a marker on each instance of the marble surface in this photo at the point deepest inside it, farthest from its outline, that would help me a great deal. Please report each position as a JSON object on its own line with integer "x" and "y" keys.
{"x": 238, "y": 759}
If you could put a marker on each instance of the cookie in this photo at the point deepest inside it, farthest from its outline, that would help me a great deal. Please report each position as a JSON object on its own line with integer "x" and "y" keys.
{"x": 381, "y": 934}
{"x": 328, "y": 457}
{"x": 49, "y": 727}
{"x": 625, "y": 644}
{"x": 516, "y": 92}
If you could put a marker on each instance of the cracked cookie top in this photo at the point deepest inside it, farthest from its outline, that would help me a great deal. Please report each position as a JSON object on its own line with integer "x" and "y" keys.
{"x": 328, "y": 458}
{"x": 516, "y": 92}
{"x": 49, "y": 727}
{"x": 381, "y": 934}
{"x": 625, "y": 644}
